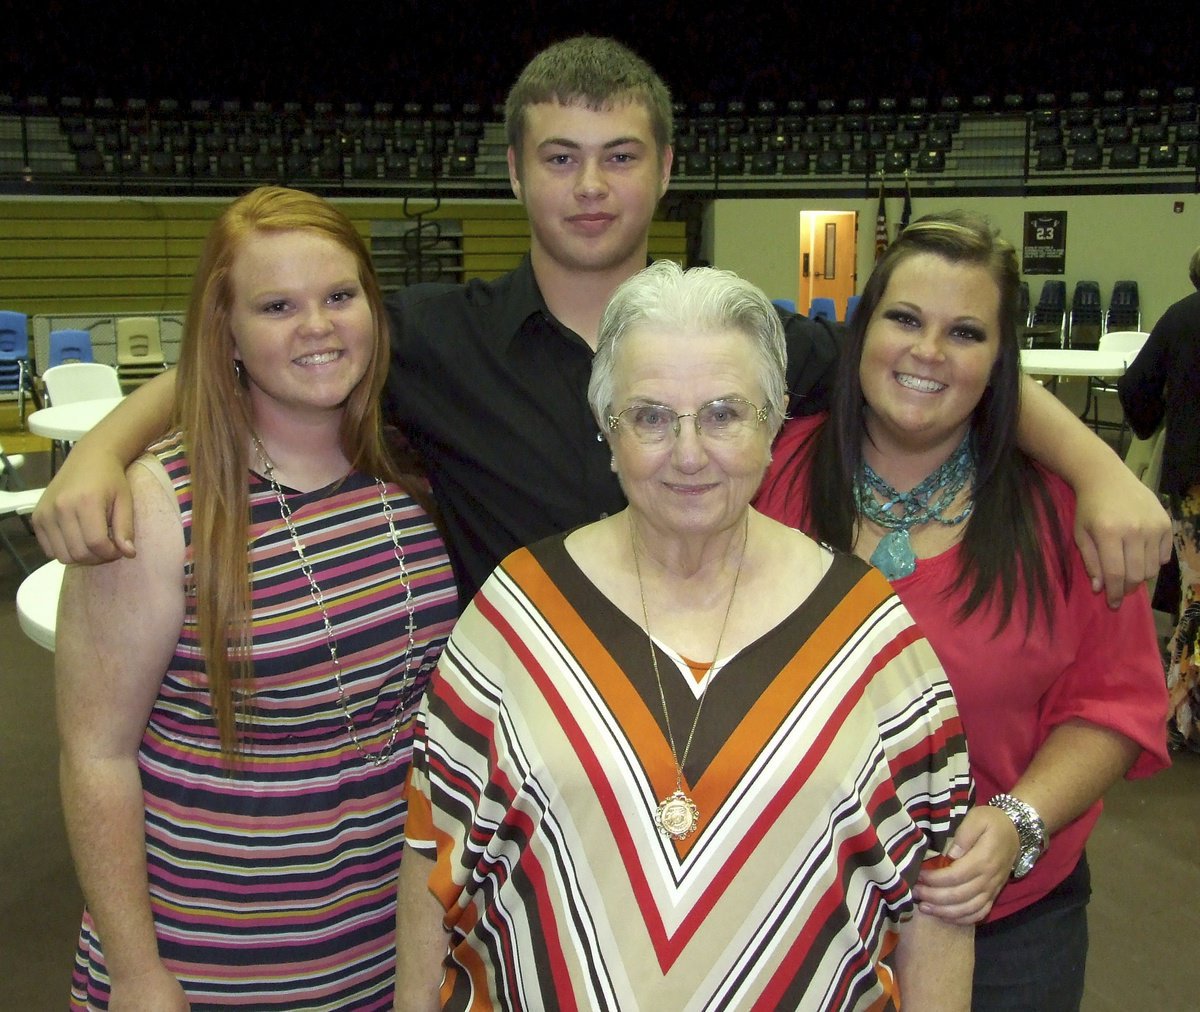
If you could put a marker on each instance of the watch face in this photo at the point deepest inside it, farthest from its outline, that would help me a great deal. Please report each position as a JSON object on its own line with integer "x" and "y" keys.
{"x": 1025, "y": 862}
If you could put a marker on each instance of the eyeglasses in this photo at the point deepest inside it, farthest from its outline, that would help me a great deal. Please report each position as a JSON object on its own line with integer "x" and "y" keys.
{"x": 722, "y": 420}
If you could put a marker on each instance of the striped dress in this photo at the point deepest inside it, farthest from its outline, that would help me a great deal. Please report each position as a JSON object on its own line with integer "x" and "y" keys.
{"x": 274, "y": 888}
{"x": 828, "y": 765}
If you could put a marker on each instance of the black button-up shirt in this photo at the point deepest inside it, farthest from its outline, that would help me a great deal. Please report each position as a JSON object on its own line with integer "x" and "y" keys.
{"x": 492, "y": 392}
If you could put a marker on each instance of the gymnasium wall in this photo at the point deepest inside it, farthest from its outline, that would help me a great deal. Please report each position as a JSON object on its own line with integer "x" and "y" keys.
{"x": 135, "y": 255}
{"x": 123, "y": 256}
{"x": 1109, "y": 238}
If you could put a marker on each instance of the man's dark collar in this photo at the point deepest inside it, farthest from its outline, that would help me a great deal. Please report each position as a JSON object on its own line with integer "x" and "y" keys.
{"x": 524, "y": 299}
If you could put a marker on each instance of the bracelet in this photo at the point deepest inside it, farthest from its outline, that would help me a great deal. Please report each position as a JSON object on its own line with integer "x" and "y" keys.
{"x": 1031, "y": 831}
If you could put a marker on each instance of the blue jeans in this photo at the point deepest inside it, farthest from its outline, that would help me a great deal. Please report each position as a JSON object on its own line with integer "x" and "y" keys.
{"x": 1034, "y": 960}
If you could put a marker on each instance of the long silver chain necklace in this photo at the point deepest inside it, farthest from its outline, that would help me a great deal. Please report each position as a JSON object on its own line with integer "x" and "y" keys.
{"x": 407, "y": 679}
{"x": 926, "y": 503}
{"x": 677, "y": 815}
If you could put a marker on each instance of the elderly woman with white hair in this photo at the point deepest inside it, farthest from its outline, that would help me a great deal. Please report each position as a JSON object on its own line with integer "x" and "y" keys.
{"x": 683, "y": 756}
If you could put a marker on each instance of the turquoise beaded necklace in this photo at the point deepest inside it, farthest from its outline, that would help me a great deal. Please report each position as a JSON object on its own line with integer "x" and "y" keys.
{"x": 926, "y": 503}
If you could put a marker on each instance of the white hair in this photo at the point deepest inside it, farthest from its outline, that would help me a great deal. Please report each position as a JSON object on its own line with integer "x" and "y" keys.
{"x": 702, "y": 300}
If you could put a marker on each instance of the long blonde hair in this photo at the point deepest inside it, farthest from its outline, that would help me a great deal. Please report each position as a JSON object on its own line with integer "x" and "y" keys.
{"x": 214, "y": 416}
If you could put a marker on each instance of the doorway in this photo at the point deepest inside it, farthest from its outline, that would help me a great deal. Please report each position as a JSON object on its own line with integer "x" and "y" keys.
{"x": 828, "y": 258}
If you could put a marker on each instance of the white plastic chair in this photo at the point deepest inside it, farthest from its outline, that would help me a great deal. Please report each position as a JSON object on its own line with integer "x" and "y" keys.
{"x": 1123, "y": 340}
{"x": 80, "y": 381}
{"x": 17, "y": 504}
{"x": 9, "y": 465}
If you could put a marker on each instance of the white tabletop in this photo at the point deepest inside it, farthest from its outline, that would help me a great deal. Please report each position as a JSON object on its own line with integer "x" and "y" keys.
{"x": 71, "y": 421}
{"x": 1075, "y": 362}
{"x": 37, "y": 603}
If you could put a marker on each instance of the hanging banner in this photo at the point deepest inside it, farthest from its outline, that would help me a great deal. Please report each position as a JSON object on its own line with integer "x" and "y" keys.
{"x": 1045, "y": 242}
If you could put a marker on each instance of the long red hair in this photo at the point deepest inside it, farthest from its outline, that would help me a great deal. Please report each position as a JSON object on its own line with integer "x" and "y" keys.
{"x": 216, "y": 425}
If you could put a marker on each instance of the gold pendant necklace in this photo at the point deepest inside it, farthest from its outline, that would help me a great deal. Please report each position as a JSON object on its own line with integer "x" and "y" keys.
{"x": 677, "y": 816}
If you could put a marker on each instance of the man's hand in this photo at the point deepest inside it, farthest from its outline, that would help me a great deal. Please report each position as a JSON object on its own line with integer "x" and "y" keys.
{"x": 1123, "y": 534}
{"x": 86, "y": 516}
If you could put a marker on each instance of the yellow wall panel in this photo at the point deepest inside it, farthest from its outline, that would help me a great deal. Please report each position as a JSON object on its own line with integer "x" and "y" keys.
{"x": 98, "y": 288}
{"x": 495, "y": 244}
{"x": 116, "y": 255}
{"x": 496, "y": 226}
{"x": 100, "y": 266}
{"x": 50, "y": 249}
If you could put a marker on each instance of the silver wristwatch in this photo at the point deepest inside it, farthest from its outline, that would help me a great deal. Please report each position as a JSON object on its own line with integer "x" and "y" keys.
{"x": 1031, "y": 831}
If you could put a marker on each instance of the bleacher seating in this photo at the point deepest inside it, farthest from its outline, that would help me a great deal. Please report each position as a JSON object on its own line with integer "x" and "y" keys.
{"x": 1125, "y": 156}
{"x": 99, "y": 145}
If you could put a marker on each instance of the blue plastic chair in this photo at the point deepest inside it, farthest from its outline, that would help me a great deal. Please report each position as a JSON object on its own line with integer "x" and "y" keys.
{"x": 823, "y": 308}
{"x": 851, "y": 306}
{"x": 14, "y": 337}
{"x": 788, "y": 304}
{"x": 15, "y": 377}
{"x": 70, "y": 346}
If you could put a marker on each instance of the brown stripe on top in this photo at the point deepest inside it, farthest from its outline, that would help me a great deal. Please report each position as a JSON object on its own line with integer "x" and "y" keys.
{"x": 739, "y": 685}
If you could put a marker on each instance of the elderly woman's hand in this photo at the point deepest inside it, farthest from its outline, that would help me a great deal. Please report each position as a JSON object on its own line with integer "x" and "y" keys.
{"x": 1123, "y": 534}
{"x": 983, "y": 852}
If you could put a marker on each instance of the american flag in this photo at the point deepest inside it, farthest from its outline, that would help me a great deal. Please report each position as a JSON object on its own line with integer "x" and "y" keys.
{"x": 881, "y": 225}
{"x": 906, "y": 214}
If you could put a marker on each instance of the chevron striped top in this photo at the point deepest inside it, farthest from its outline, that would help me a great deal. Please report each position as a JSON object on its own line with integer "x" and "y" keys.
{"x": 828, "y": 765}
{"x": 274, "y": 888}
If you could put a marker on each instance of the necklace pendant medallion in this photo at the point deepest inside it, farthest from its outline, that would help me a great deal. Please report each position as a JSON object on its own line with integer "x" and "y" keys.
{"x": 677, "y": 816}
{"x": 894, "y": 556}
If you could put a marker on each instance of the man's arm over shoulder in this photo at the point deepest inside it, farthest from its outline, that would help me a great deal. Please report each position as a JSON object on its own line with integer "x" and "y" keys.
{"x": 1121, "y": 529}
{"x": 86, "y": 513}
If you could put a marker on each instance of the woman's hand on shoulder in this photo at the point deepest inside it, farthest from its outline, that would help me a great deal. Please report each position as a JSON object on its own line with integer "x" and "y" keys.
{"x": 983, "y": 853}
{"x": 1123, "y": 534}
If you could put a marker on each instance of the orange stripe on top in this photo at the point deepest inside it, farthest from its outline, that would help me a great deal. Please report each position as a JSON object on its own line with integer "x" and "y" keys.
{"x": 698, "y": 668}
{"x": 619, "y": 694}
